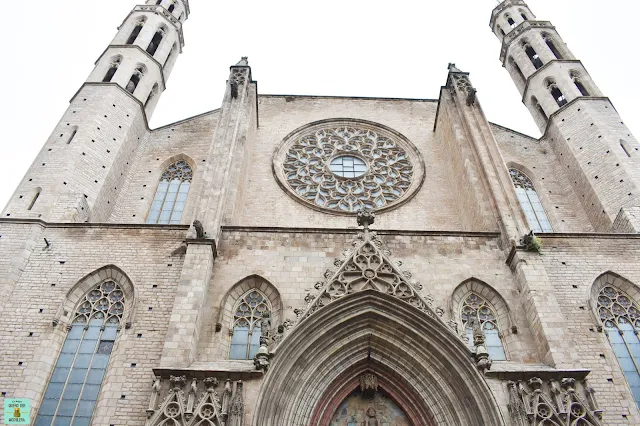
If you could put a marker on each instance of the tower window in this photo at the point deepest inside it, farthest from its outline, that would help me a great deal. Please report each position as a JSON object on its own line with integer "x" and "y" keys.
{"x": 502, "y": 32}
{"x": 171, "y": 195}
{"x": 247, "y": 324}
{"x": 517, "y": 69}
{"x": 533, "y": 56}
{"x": 475, "y": 309}
{"x": 557, "y": 95}
{"x": 626, "y": 147}
{"x": 577, "y": 80}
{"x": 510, "y": 20}
{"x": 135, "y": 79}
{"x": 172, "y": 7}
{"x": 34, "y": 199}
{"x": 524, "y": 16}
{"x": 173, "y": 51}
{"x": 553, "y": 48}
{"x": 530, "y": 202}
{"x": 152, "y": 94}
{"x": 159, "y": 2}
{"x": 136, "y": 31}
{"x": 115, "y": 63}
{"x": 539, "y": 109}
{"x": 155, "y": 42}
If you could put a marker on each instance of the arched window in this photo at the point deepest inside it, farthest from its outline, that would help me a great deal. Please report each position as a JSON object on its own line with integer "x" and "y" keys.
{"x": 247, "y": 324}
{"x": 529, "y": 202}
{"x": 577, "y": 80}
{"x": 538, "y": 107}
{"x": 557, "y": 95}
{"x": 533, "y": 56}
{"x": 152, "y": 94}
{"x": 137, "y": 75}
{"x": 172, "y": 7}
{"x": 75, "y": 384}
{"x": 552, "y": 46}
{"x": 620, "y": 317}
{"x": 155, "y": 41}
{"x": 475, "y": 309}
{"x": 158, "y": 2}
{"x": 510, "y": 20}
{"x": 171, "y": 195}
{"x": 501, "y": 32}
{"x": 115, "y": 63}
{"x": 626, "y": 147}
{"x": 524, "y": 17}
{"x": 519, "y": 72}
{"x": 136, "y": 30}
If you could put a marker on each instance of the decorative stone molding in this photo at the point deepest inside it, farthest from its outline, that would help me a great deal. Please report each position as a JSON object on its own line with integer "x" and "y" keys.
{"x": 190, "y": 401}
{"x": 368, "y": 267}
{"x": 369, "y": 384}
{"x": 558, "y": 401}
{"x": 160, "y": 10}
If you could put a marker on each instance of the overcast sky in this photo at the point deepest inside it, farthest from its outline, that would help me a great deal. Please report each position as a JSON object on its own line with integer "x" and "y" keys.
{"x": 371, "y": 48}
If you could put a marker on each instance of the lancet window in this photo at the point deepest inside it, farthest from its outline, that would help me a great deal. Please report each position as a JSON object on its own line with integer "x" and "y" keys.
{"x": 250, "y": 312}
{"x": 136, "y": 30}
{"x": 171, "y": 195}
{"x": 75, "y": 384}
{"x": 620, "y": 317}
{"x": 530, "y": 202}
{"x": 475, "y": 309}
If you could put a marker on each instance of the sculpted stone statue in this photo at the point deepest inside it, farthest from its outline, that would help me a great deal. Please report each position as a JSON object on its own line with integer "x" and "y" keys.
{"x": 372, "y": 420}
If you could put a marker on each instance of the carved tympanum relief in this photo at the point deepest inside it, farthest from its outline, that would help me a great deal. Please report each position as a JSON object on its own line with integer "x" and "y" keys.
{"x": 348, "y": 166}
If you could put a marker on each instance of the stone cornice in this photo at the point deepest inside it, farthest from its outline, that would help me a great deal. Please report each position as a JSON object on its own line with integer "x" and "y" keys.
{"x": 89, "y": 225}
{"x": 352, "y": 231}
{"x": 519, "y": 30}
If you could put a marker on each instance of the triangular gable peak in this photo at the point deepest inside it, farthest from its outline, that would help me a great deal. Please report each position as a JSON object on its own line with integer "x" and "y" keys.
{"x": 368, "y": 267}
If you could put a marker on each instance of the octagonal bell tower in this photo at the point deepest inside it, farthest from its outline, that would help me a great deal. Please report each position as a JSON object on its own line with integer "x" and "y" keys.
{"x": 599, "y": 153}
{"x": 81, "y": 169}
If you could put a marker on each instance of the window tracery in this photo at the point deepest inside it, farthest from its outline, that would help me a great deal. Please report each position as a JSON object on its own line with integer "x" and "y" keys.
{"x": 476, "y": 309}
{"x": 347, "y": 168}
{"x": 171, "y": 195}
{"x": 620, "y": 317}
{"x": 75, "y": 384}
{"x": 251, "y": 311}
{"x": 530, "y": 202}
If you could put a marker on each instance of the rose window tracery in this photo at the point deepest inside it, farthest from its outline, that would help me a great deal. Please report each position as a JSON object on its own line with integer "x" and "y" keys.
{"x": 348, "y": 167}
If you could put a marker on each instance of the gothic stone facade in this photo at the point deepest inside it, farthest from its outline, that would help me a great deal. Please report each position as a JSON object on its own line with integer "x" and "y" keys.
{"x": 308, "y": 260}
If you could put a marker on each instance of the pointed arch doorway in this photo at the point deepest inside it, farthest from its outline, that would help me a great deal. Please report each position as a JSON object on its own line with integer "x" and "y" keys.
{"x": 424, "y": 372}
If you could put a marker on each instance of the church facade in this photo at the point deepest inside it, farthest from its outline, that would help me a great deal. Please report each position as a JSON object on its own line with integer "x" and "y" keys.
{"x": 326, "y": 261}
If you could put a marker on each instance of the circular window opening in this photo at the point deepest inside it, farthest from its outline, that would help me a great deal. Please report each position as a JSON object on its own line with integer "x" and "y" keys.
{"x": 348, "y": 166}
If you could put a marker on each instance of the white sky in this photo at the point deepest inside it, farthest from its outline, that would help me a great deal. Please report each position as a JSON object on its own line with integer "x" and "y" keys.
{"x": 341, "y": 48}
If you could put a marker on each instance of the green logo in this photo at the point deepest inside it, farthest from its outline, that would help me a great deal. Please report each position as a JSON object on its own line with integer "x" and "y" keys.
{"x": 17, "y": 411}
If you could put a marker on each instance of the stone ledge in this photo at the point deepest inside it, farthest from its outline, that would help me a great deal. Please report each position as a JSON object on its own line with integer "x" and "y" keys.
{"x": 93, "y": 225}
{"x": 233, "y": 370}
{"x": 516, "y": 371}
{"x": 351, "y": 231}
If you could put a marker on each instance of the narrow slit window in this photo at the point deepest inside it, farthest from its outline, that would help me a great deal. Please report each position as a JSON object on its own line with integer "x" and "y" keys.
{"x": 475, "y": 309}
{"x": 511, "y": 22}
{"x": 74, "y": 387}
{"x": 626, "y": 147}
{"x": 74, "y": 130}
{"x": 524, "y": 17}
{"x": 159, "y": 2}
{"x": 34, "y": 199}
{"x": 171, "y": 195}
{"x": 530, "y": 202}
{"x": 247, "y": 324}
{"x": 135, "y": 79}
{"x": 172, "y": 7}
{"x": 581, "y": 88}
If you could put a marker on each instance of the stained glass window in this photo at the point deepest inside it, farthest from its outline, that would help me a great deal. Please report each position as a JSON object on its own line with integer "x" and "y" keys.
{"x": 476, "y": 308}
{"x": 247, "y": 324}
{"x": 171, "y": 195}
{"x": 530, "y": 202}
{"x": 620, "y": 317}
{"x": 348, "y": 166}
{"x": 75, "y": 384}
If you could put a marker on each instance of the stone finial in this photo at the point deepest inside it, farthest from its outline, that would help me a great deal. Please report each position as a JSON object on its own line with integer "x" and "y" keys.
{"x": 366, "y": 218}
{"x": 244, "y": 62}
{"x": 452, "y": 67}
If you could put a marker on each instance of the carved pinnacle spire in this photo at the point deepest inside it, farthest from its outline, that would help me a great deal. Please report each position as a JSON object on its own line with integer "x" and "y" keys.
{"x": 244, "y": 62}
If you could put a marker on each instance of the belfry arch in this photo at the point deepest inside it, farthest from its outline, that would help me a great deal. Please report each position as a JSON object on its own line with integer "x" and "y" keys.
{"x": 420, "y": 363}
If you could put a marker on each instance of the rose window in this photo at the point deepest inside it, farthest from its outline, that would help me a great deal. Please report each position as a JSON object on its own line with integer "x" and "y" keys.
{"x": 347, "y": 167}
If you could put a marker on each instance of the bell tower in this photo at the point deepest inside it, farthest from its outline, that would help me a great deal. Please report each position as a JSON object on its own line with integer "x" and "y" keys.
{"x": 77, "y": 175}
{"x": 597, "y": 150}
